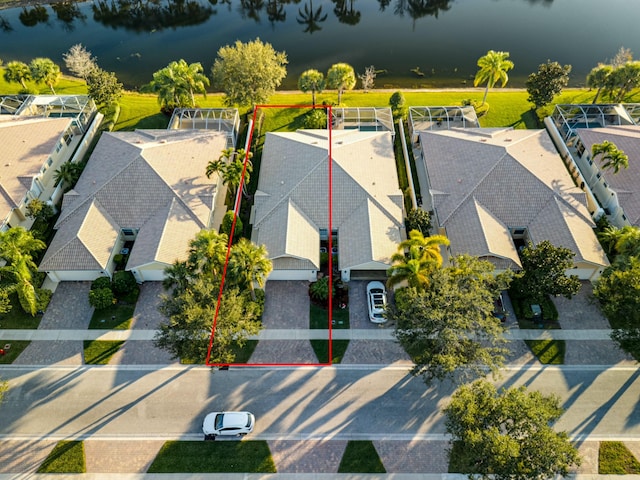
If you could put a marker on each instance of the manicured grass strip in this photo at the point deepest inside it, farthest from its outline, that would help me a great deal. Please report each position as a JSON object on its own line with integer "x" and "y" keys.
{"x": 614, "y": 458}
{"x": 243, "y": 354}
{"x": 17, "y": 318}
{"x": 116, "y": 317}
{"x": 360, "y": 456}
{"x": 319, "y": 317}
{"x": 99, "y": 352}
{"x": 321, "y": 349}
{"x": 548, "y": 352}
{"x": 66, "y": 457}
{"x": 457, "y": 461}
{"x": 15, "y": 349}
{"x": 250, "y": 456}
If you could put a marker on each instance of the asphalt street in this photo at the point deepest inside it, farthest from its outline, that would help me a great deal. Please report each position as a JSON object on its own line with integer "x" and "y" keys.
{"x": 289, "y": 403}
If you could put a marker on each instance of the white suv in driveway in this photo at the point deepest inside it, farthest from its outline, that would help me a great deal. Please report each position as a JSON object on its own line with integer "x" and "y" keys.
{"x": 227, "y": 424}
{"x": 376, "y": 301}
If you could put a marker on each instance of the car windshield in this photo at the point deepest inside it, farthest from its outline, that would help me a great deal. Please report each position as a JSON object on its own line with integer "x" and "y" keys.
{"x": 219, "y": 419}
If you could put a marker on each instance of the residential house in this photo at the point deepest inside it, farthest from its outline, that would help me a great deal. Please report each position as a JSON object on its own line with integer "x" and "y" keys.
{"x": 297, "y": 207}
{"x": 141, "y": 198}
{"x": 38, "y": 134}
{"x": 494, "y": 190}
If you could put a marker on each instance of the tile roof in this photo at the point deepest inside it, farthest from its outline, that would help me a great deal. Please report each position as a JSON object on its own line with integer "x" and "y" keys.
{"x": 366, "y": 201}
{"x": 626, "y": 183}
{"x": 485, "y": 181}
{"x": 26, "y": 143}
{"x": 149, "y": 180}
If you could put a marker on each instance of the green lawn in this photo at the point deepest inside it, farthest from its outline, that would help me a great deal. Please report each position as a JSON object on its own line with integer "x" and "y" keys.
{"x": 548, "y": 352}
{"x": 66, "y": 86}
{"x": 214, "y": 457}
{"x": 614, "y": 458}
{"x": 360, "y": 456}
{"x": 15, "y": 349}
{"x": 116, "y": 317}
{"x": 99, "y": 352}
{"x": 17, "y": 318}
{"x": 66, "y": 457}
{"x": 319, "y": 319}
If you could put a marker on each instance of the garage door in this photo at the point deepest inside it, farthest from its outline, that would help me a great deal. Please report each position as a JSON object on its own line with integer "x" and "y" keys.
{"x": 305, "y": 275}
{"x": 369, "y": 275}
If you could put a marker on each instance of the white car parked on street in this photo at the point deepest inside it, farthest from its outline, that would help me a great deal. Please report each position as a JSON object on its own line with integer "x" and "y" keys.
{"x": 376, "y": 301}
{"x": 227, "y": 424}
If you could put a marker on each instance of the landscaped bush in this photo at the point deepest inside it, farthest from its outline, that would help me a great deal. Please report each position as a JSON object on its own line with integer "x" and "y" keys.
{"x": 227, "y": 222}
{"x": 43, "y": 297}
{"x": 549, "y": 310}
{"x": 101, "y": 298}
{"x": 101, "y": 282}
{"x": 480, "y": 108}
{"x": 316, "y": 119}
{"x": 260, "y": 296}
{"x": 319, "y": 290}
{"x": 123, "y": 282}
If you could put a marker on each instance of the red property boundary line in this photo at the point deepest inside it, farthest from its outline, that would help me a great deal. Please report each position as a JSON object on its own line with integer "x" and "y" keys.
{"x": 233, "y": 226}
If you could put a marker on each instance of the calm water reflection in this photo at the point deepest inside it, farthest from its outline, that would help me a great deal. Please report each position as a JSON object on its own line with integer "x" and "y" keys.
{"x": 415, "y": 43}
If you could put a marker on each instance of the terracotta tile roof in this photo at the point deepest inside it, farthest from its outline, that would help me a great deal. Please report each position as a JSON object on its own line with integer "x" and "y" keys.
{"x": 626, "y": 183}
{"x": 149, "y": 180}
{"x": 294, "y": 170}
{"x": 26, "y": 146}
{"x": 486, "y": 181}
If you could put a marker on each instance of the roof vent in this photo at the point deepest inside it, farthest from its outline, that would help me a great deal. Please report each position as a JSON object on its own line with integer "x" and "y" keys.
{"x": 507, "y": 139}
{"x": 483, "y": 139}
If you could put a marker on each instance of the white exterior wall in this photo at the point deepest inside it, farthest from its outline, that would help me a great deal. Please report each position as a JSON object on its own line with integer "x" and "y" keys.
{"x": 148, "y": 274}
{"x": 74, "y": 275}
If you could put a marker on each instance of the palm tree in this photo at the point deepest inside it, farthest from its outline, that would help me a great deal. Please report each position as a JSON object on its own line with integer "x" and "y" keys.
{"x": 16, "y": 247}
{"x": 43, "y": 70}
{"x": 612, "y": 157}
{"x": 311, "y": 18}
{"x": 311, "y": 81}
{"x": 416, "y": 259}
{"x": 230, "y": 166}
{"x": 68, "y": 174}
{"x": 423, "y": 247}
{"x": 17, "y": 72}
{"x": 207, "y": 253}
{"x": 341, "y": 77}
{"x": 275, "y": 12}
{"x": 621, "y": 243}
{"x": 249, "y": 265}
{"x": 177, "y": 84}
{"x": 599, "y": 78}
{"x": 493, "y": 68}
{"x": 346, "y": 14}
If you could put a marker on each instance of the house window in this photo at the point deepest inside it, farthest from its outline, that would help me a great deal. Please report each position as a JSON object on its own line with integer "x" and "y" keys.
{"x": 58, "y": 147}
{"x": 519, "y": 231}
{"x": 50, "y": 162}
{"x": 128, "y": 232}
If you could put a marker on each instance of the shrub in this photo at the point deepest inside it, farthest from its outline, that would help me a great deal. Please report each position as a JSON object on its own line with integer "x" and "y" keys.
{"x": 324, "y": 259}
{"x": 418, "y": 219}
{"x": 398, "y": 105}
{"x": 43, "y": 297}
{"x": 319, "y": 290}
{"x": 260, "y": 296}
{"x": 544, "y": 112}
{"x": 101, "y": 282}
{"x": 480, "y": 108}
{"x": 118, "y": 258}
{"x": 315, "y": 119}
{"x": 101, "y": 298}
{"x": 123, "y": 282}
{"x": 227, "y": 222}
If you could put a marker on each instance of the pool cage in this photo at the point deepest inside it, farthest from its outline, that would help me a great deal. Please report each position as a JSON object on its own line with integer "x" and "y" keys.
{"x": 79, "y": 107}
{"x": 441, "y": 118}
{"x": 365, "y": 119}
{"x": 568, "y": 118}
{"x": 217, "y": 119}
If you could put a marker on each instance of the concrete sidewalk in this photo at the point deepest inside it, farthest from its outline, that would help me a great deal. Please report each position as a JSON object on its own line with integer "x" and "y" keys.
{"x": 287, "y": 334}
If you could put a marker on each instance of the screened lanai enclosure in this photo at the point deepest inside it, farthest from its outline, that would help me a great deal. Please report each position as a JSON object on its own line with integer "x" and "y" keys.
{"x": 568, "y": 118}
{"x": 441, "y": 118}
{"x": 217, "y": 119}
{"x": 373, "y": 119}
{"x": 79, "y": 107}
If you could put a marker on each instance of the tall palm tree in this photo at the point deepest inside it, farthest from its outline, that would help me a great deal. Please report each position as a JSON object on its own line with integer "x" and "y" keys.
{"x": 16, "y": 247}
{"x": 17, "y": 72}
{"x": 416, "y": 259}
{"x": 311, "y": 18}
{"x": 43, "y": 70}
{"x": 493, "y": 68}
{"x": 422, "y": 247}
{"x": 207, "y": 253}
{"x": 311, "y": 81}
{"x": 345, "y": 12}
{"x": 599, "y": 78}
{"x": 230, "y": 166}
{"x": 611, "y": 156}
{"x": 67, "y": 173}
{"x": 249, "y": 265}
{"x": 177, "y": 83}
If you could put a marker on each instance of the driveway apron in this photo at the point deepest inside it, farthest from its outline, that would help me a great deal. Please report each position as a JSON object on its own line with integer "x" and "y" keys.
{"x": 69, "y": 309}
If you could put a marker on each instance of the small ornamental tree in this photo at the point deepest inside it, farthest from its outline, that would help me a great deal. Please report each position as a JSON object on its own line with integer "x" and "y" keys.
{"x": 544, "y": 272}
{"x": 315, "y": 119}
{"x": 419, "y": 220}
{"x": 79, "y": 61}
{"x": 101, "y": 298}
{"x": 103, "y": 87}
{"x": 227, "y": 222}
{"x": 398, "y": 105}
{"x": 311, "y": 81}
{"x": 507, "y": 434}
{"x": 547, "y": 82}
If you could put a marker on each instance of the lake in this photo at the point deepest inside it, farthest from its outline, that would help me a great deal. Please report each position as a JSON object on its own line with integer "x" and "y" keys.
{"x": 412, "y": 43}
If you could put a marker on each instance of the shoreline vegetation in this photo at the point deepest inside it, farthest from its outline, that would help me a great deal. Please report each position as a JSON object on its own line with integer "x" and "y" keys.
{"x": 508, "y": 106}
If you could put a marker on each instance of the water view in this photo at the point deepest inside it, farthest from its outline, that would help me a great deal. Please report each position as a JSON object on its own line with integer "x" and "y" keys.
{"x": 412, "y": 43}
